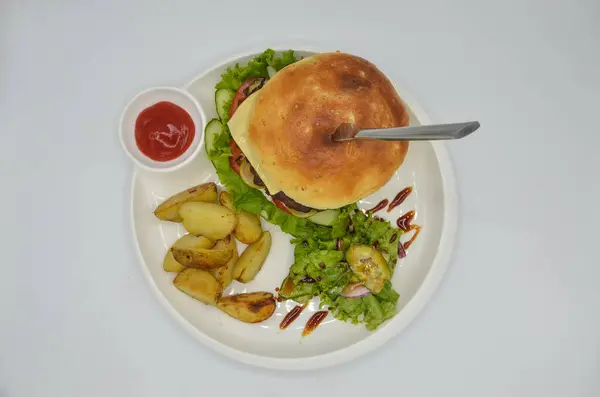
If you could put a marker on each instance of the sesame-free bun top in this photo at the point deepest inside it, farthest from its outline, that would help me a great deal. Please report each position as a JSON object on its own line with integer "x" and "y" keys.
{"x": 295, "y": 114}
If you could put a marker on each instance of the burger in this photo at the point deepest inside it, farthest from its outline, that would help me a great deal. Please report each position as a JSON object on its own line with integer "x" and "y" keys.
{"x": 281, "y": 131}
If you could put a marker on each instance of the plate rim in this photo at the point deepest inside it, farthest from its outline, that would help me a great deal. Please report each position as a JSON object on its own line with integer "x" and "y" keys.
{"x": 392, "y": 328}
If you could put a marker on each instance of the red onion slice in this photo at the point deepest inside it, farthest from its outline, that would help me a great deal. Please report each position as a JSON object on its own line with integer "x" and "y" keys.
{"x": 355, "y": 291}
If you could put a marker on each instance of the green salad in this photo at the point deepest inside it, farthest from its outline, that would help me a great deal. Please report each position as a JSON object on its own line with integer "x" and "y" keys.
{"x": 346, "y": 257}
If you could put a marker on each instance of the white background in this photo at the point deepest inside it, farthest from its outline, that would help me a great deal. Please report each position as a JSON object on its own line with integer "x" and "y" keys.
{"x": 519, "y": 311}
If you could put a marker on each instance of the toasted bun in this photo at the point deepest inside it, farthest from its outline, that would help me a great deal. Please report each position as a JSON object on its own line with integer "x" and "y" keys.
{"x": 297, "y": 111}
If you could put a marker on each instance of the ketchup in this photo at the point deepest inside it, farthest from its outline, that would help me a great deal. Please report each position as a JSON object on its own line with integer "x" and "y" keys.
{"x": 281, "y": 206}
{"x": 164, "y": 131}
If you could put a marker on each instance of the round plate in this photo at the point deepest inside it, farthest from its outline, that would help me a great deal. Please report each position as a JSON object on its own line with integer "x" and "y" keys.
{"x": 427, "y": 169}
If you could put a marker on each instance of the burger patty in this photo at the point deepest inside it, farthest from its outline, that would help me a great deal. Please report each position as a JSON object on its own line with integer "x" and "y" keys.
{"x": 289, "y": 202}
{"x": 257, "y": 181}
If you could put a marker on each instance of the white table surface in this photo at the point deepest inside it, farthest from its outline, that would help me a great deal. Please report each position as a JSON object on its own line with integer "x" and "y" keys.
{"x": 518, "y": 314}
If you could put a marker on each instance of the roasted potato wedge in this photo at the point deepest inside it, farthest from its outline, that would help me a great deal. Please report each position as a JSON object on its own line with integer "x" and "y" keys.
{"x": 168, "y": 210}
{"x": 252, "y": 307}
{"x": 226, "y": 200}
{"x": 248, "y": 229}
{"x": 170, "y": 265}
{"x": 207, "y": 219}
{"x": 252, "y": 259}
{"x": 203, "y": 258}
{"x": 199, "y": 284}
{"x": 191, "y": 241}
{"x": 224, "y": 274}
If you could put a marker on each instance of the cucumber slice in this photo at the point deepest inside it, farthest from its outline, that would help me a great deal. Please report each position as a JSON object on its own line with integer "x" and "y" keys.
{"x": 299, "y": 214}
{"x": 213, "y": 129}
{"x": 223, "y": 98}
{"x": 325, "y": 218}
{"x": 369, "y": 265}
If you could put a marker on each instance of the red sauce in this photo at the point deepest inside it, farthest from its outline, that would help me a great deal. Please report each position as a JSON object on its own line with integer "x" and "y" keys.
{"x": 276, "y": 289}
{"x": 379, "y": 206}
{"x": 281, "y": 206}
{"x": 400, "y": 197}
{"x": 290, "y": 317}
{"x": 314, "y": 322}
{"x": 164, "y": 131}
{"x": 404, "y": 223}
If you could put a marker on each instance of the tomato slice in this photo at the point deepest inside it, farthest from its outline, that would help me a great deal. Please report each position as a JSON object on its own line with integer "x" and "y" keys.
{"x": 234, "y": 165}
{"x": 240, "y": 96}
{"x": 235, "y": 149}
{"x": 236, "y": 156}
{"x": 281, "y": 206}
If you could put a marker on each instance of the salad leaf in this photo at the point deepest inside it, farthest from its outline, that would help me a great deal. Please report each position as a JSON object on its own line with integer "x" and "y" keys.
{"x": 340, "y": 225}
{"x": 314, "y": 264}
{"x": 372, "y": 309}
{"x": 257, "y": 67}
{"x": 287, "y": 58}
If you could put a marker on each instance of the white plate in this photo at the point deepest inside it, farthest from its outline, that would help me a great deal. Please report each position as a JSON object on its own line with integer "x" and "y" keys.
{"x": 427, "y": 168}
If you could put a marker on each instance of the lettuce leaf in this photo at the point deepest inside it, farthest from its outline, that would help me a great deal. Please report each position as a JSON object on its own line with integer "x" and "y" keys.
{"x": 317, "y": 265}
{"x": 257, "y": 67}
{"x": 372, "y": 310}
{"x": 340, "y": 225}
{"x": 287, "y": 58}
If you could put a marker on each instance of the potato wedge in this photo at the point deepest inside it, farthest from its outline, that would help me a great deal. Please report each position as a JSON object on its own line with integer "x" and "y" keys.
{"x": 199, "y": 284}
{"x": 224, "y": 274}
{"x": 252, "y": 259}
{"x": 203, "y": 258}
{"x": 252, "y": 307}
{"x": 226, "y": 200}
{"x": 207, "y": 219}
{"x": 191, "y": 241}
{"x": 168, "y": 210}
{"x": 170, "y": 265}
{"x": 248, "y": 229}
